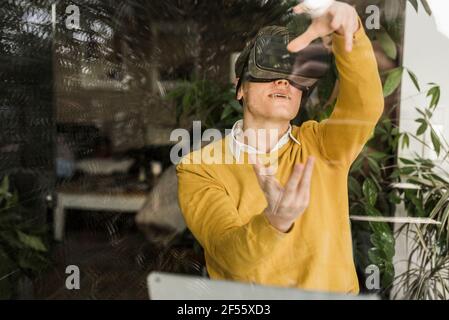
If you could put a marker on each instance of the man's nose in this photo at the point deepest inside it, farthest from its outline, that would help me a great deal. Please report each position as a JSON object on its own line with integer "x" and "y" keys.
{"x": 282, "y": 82}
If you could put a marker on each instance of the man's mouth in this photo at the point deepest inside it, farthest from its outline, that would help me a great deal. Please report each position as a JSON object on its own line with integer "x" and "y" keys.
{"x": 279, "y": 96}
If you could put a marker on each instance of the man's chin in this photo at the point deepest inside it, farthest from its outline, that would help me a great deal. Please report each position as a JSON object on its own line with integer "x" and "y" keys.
{"x": 280, "y": 115}
{"x": 281, "y": 111}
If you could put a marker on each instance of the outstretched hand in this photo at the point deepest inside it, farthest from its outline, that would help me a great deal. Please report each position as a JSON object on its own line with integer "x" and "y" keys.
{"x": 285, "y": 204}
{"x": 340, "y": 17}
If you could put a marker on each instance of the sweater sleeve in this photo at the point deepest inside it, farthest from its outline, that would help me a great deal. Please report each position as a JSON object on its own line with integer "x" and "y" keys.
{"x": 213, "y": 218}
{"x": 360, "y": 101}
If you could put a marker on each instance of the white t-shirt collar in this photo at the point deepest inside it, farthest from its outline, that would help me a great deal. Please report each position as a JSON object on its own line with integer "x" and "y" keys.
{"x": 237, "y": 147}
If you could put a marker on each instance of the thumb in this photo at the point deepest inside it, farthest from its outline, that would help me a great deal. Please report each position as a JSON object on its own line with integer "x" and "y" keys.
{"x": 303, "y": 40}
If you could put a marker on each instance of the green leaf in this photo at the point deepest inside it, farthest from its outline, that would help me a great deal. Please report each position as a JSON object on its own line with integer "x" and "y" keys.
{"x": 374, "y": 166}
{"x": 426, "y": 7}
{"x": 421, "y": 112}
{"x": 32, "y": 260}
{"x": 226, "y": 112}
{"x": 356, "y": 165}
{"x": 407, "y": 170}
{"x": 377, "y": 227}
{"x": 405, "y": 141}
{"x": 12, "y": 200}
{"x": 394, "y": 198}
{"x": 417, "y": 203}
{"x": 387, "y": 44}
{"x": 388, "y": 245}
{"x": 388, "y": 274}
{"x": 385, "y": 242}
{"x": 354, "y": 187}
{"x": 393, "y": 80}
{"x": 422, "y": 128}
{"x": 407, "y": 161}
{"x": 375, "y": 256}
{"x": 435, "y": 141}
{"x": 414, "y": 4}
{"x": 420, "y": 120}
{"x": 31, "y": 241}
{"x": 434, "y": 92}
{"x": 9, "y": 238}
{"x": 395, "y": 174}
{"x": 5, "y": 186}
{"x": 370, "y": 191}
{"x": 395, "y": 131}
{"x": 414, "y": 79}
{"x": 379, "y": 131}
{"x": 377, "y": 155}
{"x": 380, "y": 227}
{"x": 372, "y": 211}
{"x": 387, "y": 123}
{"x": 237, "y": 107}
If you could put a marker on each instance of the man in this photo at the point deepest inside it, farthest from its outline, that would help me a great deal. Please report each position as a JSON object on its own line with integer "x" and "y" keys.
{"x": 288, "y": 226}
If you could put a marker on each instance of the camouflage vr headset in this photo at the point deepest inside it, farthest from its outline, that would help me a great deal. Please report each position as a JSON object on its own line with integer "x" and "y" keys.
{"x": 266, "y": 59}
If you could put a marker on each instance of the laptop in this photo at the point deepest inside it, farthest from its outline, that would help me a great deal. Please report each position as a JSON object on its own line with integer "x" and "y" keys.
{"x": 167, "y": 286}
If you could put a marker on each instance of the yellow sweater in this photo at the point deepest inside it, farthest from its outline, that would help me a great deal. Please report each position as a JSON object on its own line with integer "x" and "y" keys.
{"x": 223, "y": 204}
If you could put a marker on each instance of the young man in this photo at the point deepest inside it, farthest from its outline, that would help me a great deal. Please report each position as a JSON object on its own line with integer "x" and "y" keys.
{"x": 288, "y": 226}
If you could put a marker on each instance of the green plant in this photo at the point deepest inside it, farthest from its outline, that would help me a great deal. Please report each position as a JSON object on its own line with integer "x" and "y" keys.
{"x": 370, "y": 193}
{"x": 427, "y": 273}
{"x": 426, "y": 194}
{"x": 212, "y": 103}
{"x": 371, "y": 186}
{"x": 23, "y": 251}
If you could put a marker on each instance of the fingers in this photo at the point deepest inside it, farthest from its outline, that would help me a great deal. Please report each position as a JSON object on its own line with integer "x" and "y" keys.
{"x": 304, "y": 185}
{"x": 295, "y": 178}
{"x": 347, "y": 26}
{"x": 349, "y": 40}
{"x": 262, "y": 169}
{"x": 352, "y": 29}
{"x": 340, "y": 17}
{"x": 337, "y": 21}
{"x": 303, "y": 40}
{"x": 277, "y": 203}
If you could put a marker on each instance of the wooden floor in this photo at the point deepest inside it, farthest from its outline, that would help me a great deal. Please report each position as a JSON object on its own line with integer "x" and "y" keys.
{"x": 114, "y": 257}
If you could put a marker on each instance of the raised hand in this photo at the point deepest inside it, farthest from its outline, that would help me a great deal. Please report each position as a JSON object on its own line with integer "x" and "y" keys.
{"x": 285, "y": 204}
{"x": 340, "y": 17}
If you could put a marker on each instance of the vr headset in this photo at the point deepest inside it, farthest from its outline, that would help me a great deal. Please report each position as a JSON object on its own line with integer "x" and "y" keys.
{"x": 270, "y": 60}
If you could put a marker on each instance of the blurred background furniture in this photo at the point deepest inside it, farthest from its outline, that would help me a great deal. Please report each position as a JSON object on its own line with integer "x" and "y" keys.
{"x": 117, "y": 202}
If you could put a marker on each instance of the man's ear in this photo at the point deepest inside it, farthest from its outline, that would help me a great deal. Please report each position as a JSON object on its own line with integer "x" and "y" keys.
{"x": 240, "y": 91}
{"x": 236, "y": 82}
